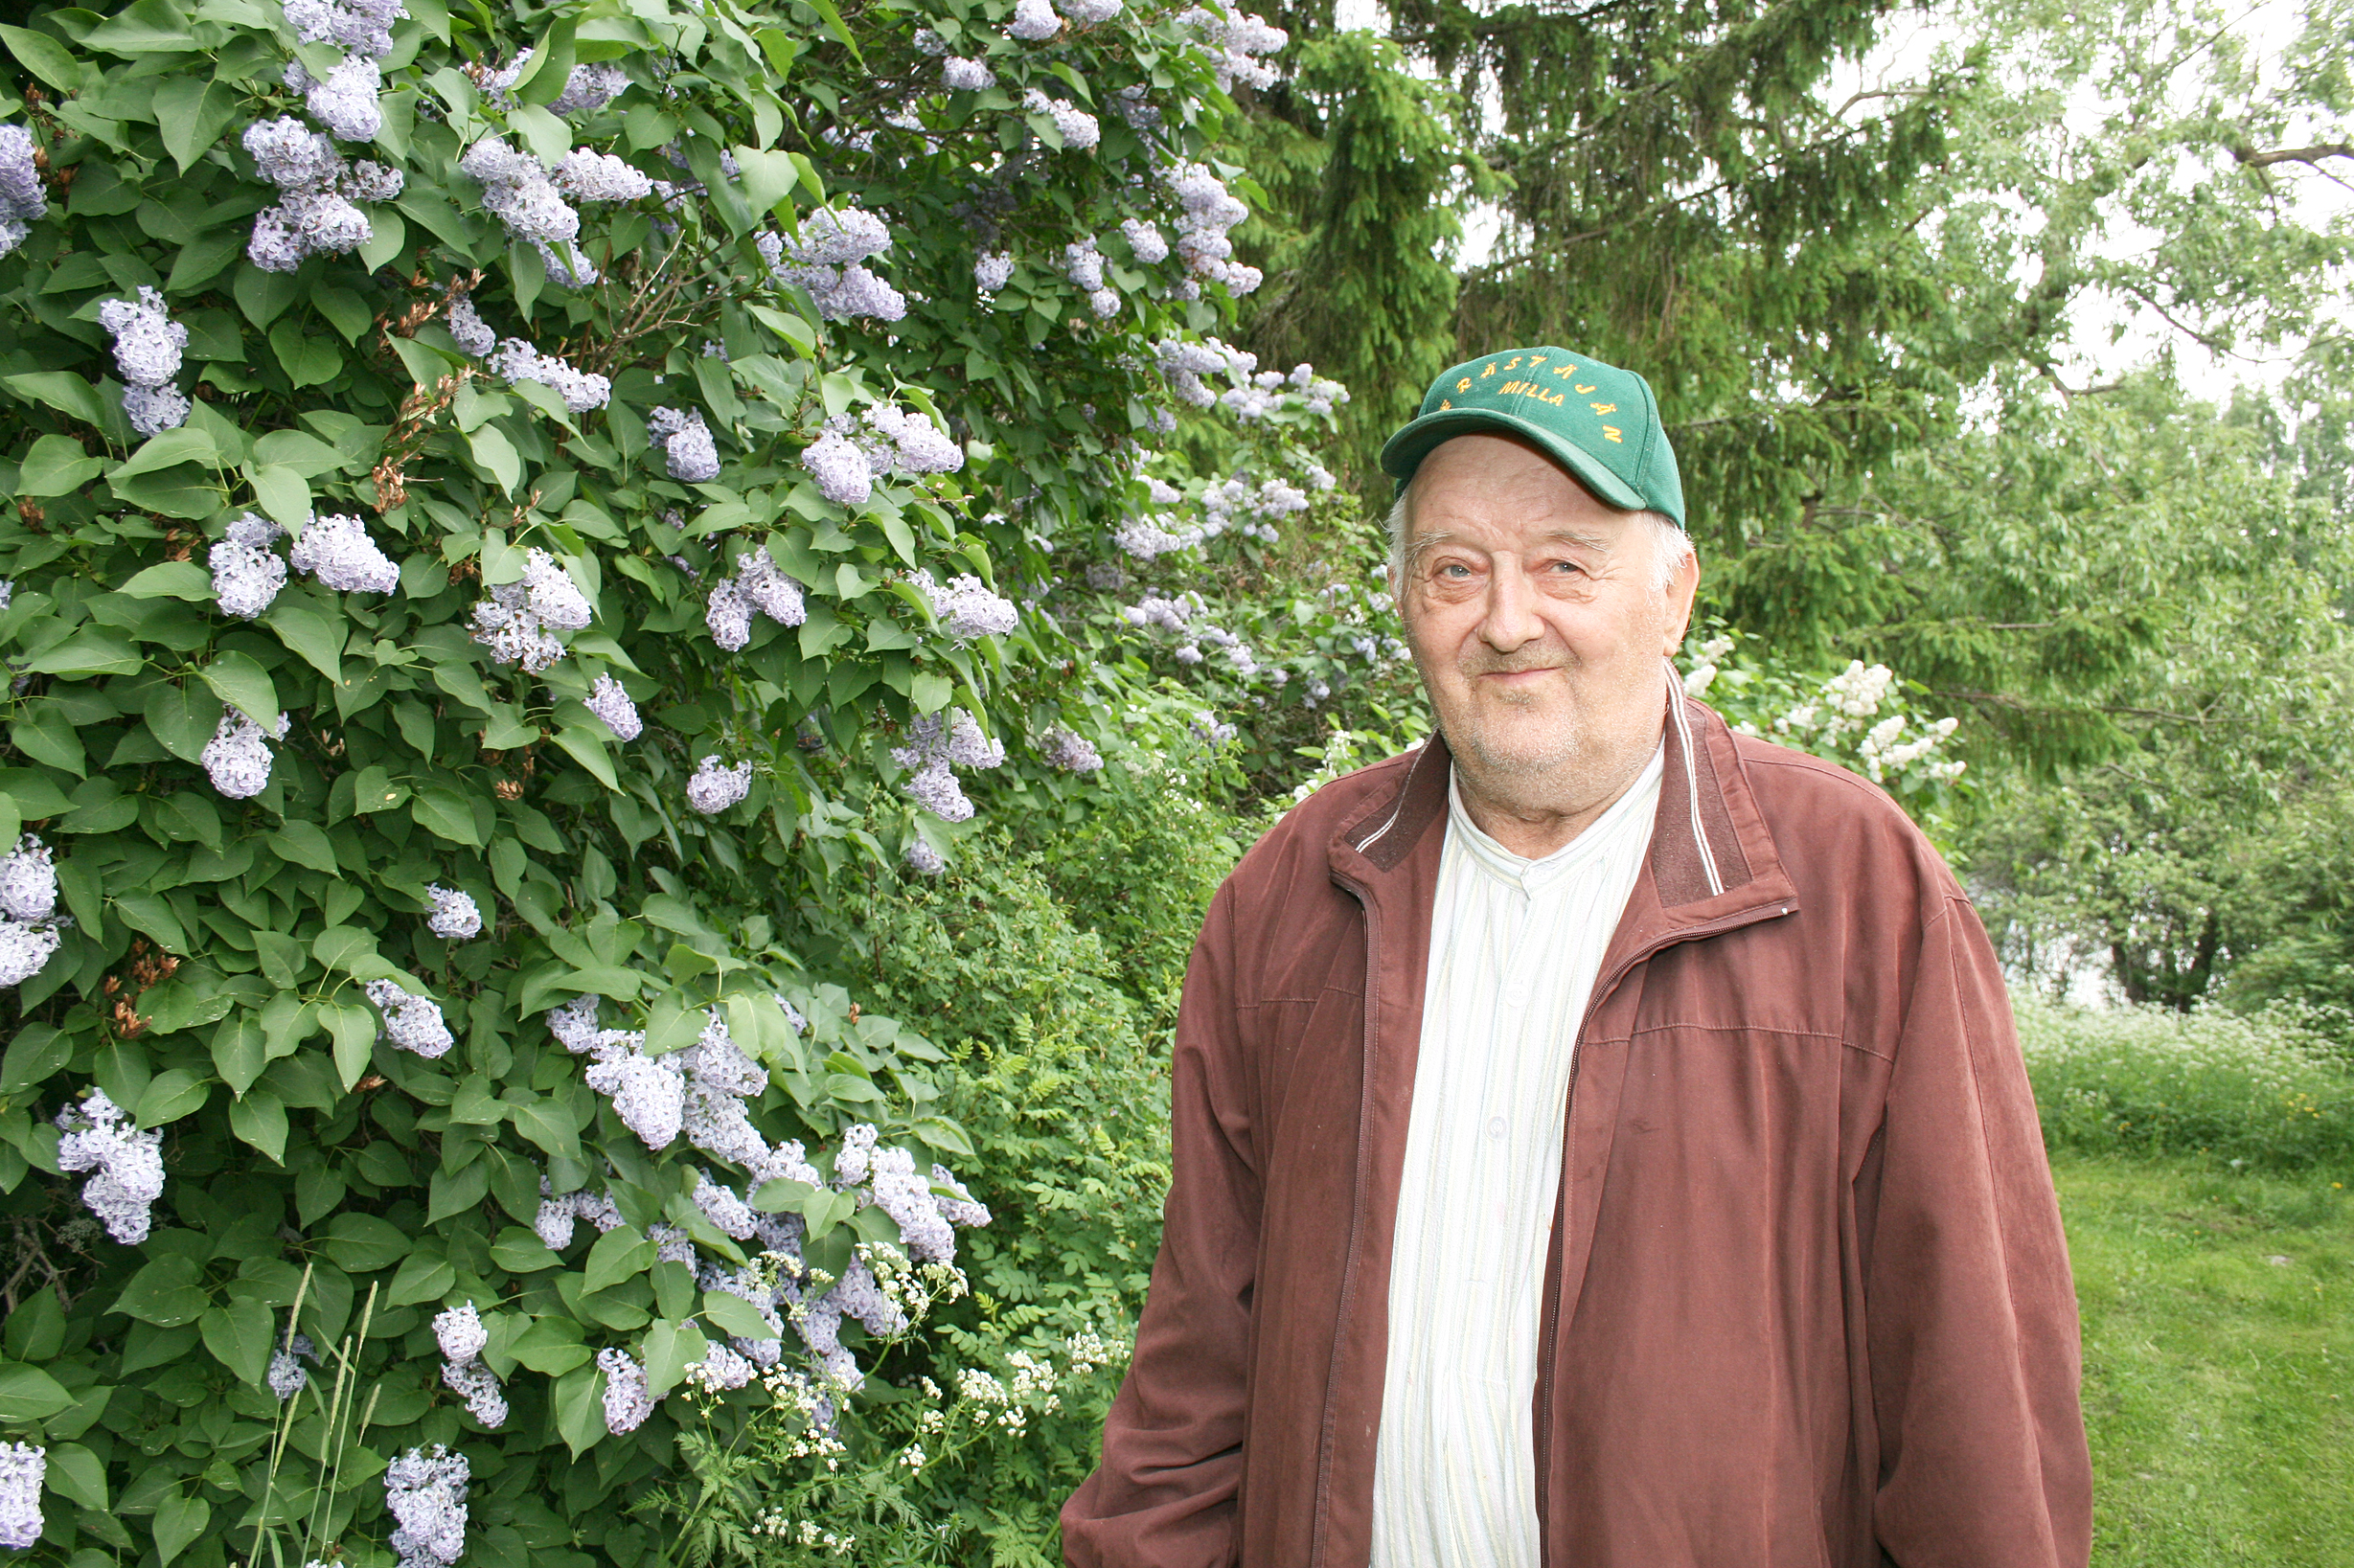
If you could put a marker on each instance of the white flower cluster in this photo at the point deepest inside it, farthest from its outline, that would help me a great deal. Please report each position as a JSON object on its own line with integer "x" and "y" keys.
{"x": 1883, "y": 752}
{"x": 1089, "y": 12}
{"x": 1034, "y": 21}
{"x": 128, "y": 1164}
{"x": 958, "y": 74}
{"x": 992, "y": 272}
{"x": 610, "y": 702}
{"x": 699, "y": 1090}
{"x": 1703, "y": 673}
{"x": 337, "y": 550}
{"x": 246, "y": 572}
{"x": 717, "y": 785}
{"x": 29, "y": 927}
{"x": 1067, "y": 751}
{"x": 466, "y": 325}
{"x": 520, "y": 192}
{"x": 364, "y": 27}
{"x": 587, "y": 90}
{"x": 688, "y": 450}
{"x": 965, "y": 607}
{"x": 24, "y": 1470}
{"x": 937, "y": 742}
{"x": 238, "y": 757}
{"x": 426, "y": 1494}
{"x": 1849, "y": 703}
{"x": 1207, "y": 210}
{"x": 627, "y": 1401}
{"x": 722, "y": 1368}
{"x": 462, "y": 1337}
{"x": 345, "y": 98}
{"x": 1235, "y": 40}
{"x": 518, "y": 361}
{"x": 23, "y": 202}
{"x": 455, "y": 916}
{"x": 315, "y": 215}
{"x": 828, "y": 260}
{"x": 559, "y": 1215}
{"x": 921, "y": 858}
{"x": 148, "y": 343}
{"x": 513, "y": 623}
{"x": 1074, "y": 126}
{"x": 411, "y": 1022}
{"x": 588, "y": 175}
{"x": 287, "y": 1376}
{"x": 754, "y": 585}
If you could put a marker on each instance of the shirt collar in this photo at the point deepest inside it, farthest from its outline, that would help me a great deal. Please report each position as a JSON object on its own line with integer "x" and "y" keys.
{"x": 1631, "y": 811}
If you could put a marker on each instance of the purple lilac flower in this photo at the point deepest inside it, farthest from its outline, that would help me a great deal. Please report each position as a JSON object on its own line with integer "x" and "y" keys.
{"x": 1076, "y": 126}
{"x": 727, "y": 1213}
{"x": 610, "y": 702}
{"x": 1145, "y": 241}
{"x": 238, "y": 757}
{"x": 1067, "y": 751}
{"x": 28, "y": 881}
{"x": 411, "y": 1022}
{"x": 715, "y": 788}
{"x": 517, "y": 190}
{"x": 827, "y": 260}
{"x": 921, "y": 858}
{"x": 649, "y": 1094}
{"x": 346, "y": 101}
{"x": 1088, "y": 12}
{"x": 1034, "y": 20}
{"x": 460, "y": 1334}
{"x": 590, "y": 88}
{"x": 363, "y": 26}
{"x": 967, "y": 76}
{"x": 478, "y": 1386}
{"x": 21, "y": 197}
{"x": 841, "y": 468}
{"x": 991, "y": 273}
{"x": 426, "y": 1493}
{"x": 966, "y": 608}
{"x": 627, "y": 1401}
{"x": 517, "y": 360}
{"x": 24, "y": 1470}
{"x": 337, "y": 550}
{"x": 588, "y": 175}
{"x": 455, "y": 916}
{"x": 909, "y": 441}
{"x": 687, "y": 447}
{"x": 907, "y": 1198}
{"x": 1234, "y": 41}
{"x": 127, "y": 1164}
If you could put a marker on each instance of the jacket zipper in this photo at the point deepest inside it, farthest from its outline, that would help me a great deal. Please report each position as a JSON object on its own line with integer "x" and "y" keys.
{"x": 1357, "y": 1221}
{"x": 1550, "y": 1320}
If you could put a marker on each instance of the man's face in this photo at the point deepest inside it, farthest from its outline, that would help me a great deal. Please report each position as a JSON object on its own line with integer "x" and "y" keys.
{"x": 1530, "y": 610}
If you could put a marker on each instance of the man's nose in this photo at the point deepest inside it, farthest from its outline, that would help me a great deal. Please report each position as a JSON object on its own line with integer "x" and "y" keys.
{"x": 1511, "y": 622}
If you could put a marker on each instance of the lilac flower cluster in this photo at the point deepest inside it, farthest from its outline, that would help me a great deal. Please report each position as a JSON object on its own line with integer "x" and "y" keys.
{"x": 127, "y": 1164}
{"x": 1067, "y": 751}
{"x": 688, "y": 450}
{"x": 588, "y": 89}
{"x": 455, "y": 916}
{"x": 517, "y": 190}
{"x": 921, "y": 858}
{"x": 146, "y": 350}
{"x": 411, "y": 1022}
{"x": 513, "y": 623}
{"x": 287, "y": 1377}
{"x": 717, "y": 787}
{"x": 23, "y": 202}
{"x": 699, "y": 1090}
{"x": 1235, "y": 40}
{"x": 1145, "y": 540}
{"x": 337, "y": 550}
{"x": 364, "y": 27}
{"x": 966, "y": 76}
{"x": 463, "y": 1338}
{"x": 846, "y": 459}
{"x": 1145, "y": 241}
{"x": 755, "y": 584}
{"x": 238, "y": 757}
{"x": 1034, "y": 21}
{"x": 966, "y": 608}
{"x": 610, "y": 702}
{"x": 315, "y": 215}
{"x": 24, "y": 1470}
{"x": 246, "y": 572}
{"x": 473, "y": 334}
{"x": 345, "y": 98}
{"x": 992, "y": 272}
{"x": 1167, "y": 614}
{"x": 1089, "y": 12}
{"x": 627, "y": 1401}
{"x": 588, "y": 175}
{"x": 1207, "y": 211}
{"x": 30, "y": 931}
{"x": 828, "y": 260}
{"x": 426, "y": 1495}
{"x": 937, "y": 742}
{"x": 517, "y": 360}
{"x": 1076, "y": 128}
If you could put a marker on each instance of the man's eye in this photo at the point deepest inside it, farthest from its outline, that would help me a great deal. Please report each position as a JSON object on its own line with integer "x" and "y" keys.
{"x": 1454, "y": 569}
{"x": 1567, "y": 567}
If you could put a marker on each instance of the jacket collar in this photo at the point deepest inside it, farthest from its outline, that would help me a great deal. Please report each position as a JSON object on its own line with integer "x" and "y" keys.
{"x": 1712, "y": 858}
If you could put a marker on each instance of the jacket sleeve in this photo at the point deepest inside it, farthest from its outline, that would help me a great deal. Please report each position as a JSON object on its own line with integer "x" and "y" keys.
{"x": 1970, "y": 1309}
{"x": 1165, "y": 1494}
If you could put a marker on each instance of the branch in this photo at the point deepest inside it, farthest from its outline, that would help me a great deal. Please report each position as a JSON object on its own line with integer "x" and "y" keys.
{"x": 2313, "y": 156}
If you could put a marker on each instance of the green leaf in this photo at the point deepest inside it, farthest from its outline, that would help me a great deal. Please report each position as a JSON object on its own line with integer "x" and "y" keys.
{"x": 260, "y": 1119}
{"x": 28, "y": 1394}
{"x": 580, "y": 1409}
{"x": 447, "y": 814}
{"x": 44, "y": 56}
{"x": 549, "y": 67}
{"x": 171, "y": 580}
{"x": 492, "y": 448}
{"x": 168, "y": 1292}
{"x": 344, "y": 948}
{"x": 929, "y": 691}
{"x": 149, "y": 914}
{"x": 76, "y": 1475}
{"x": 238, "y": 1335}
{"x": 311, "y": 632}
{"x": 420, "y": 1277}
{"x": 192, "y": 113}
{"x": 547, "y": 1123}
{"x": 37, "y": 1329}
{"x": 551, "y": 1345}
{"x": 306, "y": 844}
{"x": 178, "y": 1521}
{"x": 546, "y": 137}
{"x": 518, "y": 1251}
{"x": 56, "y": 466}
{"x": 767, "y": 177}
{"x": 37, "y": 1051}
{"x": 171, "y": 1094}
{"x": 588, "y": 748}
{"x": 618, "y": 1255}
{"x": 151, "y": 27}
{"x": 355, "y": 1031}
{"x": 671, "y": 1349}
{"x": 281, "y": 492}
{"x": 360, "y": 1243}
{"x": 732, "y": 1314}
{"x": 238, "y": 1055}
{"x": 60, "y": 390}
{"x": 184, "y": 718}
{"x": 168, "y": 449}
{"x": 97, "y": 652}
{"x": 239, "y": 680}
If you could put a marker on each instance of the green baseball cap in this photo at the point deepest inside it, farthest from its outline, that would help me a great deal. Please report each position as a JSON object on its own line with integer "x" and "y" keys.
{"x": 1600, "y": 422}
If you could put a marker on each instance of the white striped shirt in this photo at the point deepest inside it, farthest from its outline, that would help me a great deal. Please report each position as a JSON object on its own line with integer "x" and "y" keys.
{"x": 1514, "y": 948}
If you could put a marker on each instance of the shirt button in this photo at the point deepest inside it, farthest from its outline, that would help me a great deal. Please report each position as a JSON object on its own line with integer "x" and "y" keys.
{"x": 1495, "y": 1126}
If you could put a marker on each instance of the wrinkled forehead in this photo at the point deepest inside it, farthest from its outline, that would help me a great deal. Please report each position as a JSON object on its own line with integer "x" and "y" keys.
{"x": 1500, "y": 489}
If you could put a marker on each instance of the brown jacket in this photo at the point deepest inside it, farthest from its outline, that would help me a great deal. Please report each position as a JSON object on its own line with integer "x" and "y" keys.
{"x": 1809, "y": 1301}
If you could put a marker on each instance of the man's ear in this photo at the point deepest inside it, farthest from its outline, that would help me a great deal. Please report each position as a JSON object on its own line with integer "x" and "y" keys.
{"x": 1678, "y": 618}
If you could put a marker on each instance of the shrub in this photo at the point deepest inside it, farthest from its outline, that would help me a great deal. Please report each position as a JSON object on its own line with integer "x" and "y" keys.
{"x": 2265, "y": 1091}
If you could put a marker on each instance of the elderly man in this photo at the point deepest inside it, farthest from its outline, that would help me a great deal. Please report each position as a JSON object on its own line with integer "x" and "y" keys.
{"x": 1600, "y": 1138}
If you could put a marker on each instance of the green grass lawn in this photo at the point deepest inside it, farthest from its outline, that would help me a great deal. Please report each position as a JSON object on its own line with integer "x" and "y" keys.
{"x": 2219, "y": 1362}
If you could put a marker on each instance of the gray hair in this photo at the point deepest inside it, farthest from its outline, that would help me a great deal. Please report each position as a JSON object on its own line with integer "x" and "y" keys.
{"x": 1670, "y": 545}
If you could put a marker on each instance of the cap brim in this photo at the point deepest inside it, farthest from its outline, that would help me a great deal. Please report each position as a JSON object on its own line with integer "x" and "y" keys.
{"x": 1403, "y": 453}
